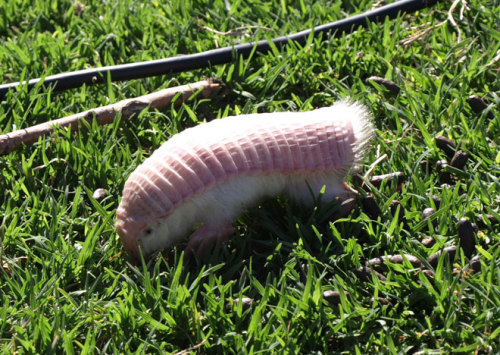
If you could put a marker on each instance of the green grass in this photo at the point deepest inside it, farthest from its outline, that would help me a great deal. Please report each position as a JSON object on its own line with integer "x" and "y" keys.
{"x": 65, "y": 282}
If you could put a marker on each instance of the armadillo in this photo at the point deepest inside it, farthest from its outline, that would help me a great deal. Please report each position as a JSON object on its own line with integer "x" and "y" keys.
{"x": 200, "y": 180}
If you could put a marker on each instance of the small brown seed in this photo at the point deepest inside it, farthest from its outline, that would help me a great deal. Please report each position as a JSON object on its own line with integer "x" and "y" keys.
{"x": 333, "y": 297}
{"x": 371, "y": 207}
{"x": 475, "y": 263}
{"x": 99, "y": 194}
{"x": 246, "y": 303}
{"x": 449, "y": 251}
{"x": 486, "y": 217}
{"x": 435, "y": 199}
{"x": 365, "y": 273}
{"x": 440, "y": 165}
{"x": 446, "y": 145}
{"x": 395, "y": 259}
{"x": 444, "y": 176}
{"x": 476, "y": 103}
{"x": 466, "y": 236}
{"x": 426, "y": 166}
{"x": 389, "y": 85}
{"x": 459, "y": 159}
{"x": 398, "y": 176}
{"x": 428, "y": 242}
{"x": 426, "y": 213}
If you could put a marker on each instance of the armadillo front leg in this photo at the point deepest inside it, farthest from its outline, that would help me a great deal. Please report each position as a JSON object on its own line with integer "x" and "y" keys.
{"x": 332, "y": 188}
{"x": 207, "y": 236}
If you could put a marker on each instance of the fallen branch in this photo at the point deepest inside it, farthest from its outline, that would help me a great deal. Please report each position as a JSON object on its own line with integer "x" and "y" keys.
{"x": 106, "y": 114}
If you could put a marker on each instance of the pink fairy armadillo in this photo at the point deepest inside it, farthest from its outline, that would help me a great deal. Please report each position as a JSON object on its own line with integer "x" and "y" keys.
{"x": 206, "y": 176}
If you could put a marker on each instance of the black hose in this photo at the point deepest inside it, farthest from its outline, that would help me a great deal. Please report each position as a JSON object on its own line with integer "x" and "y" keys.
{"x": 216, "y": 56}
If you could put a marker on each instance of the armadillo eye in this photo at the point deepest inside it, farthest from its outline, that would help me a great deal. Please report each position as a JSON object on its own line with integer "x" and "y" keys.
{"x": 148, "y": 231}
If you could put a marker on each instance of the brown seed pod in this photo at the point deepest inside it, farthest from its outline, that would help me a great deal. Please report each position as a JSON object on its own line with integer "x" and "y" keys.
{"x": 446, "y": 145}
{"x": 466, "y": 236}
{"x": 99, "y": 194}
{"x": 475, "y": 263}
{"x": 395, "y": 259}
{"x": 333, "y": 297}
{"x": 459, "y": 159}
{"x": 449, "y": 251}
{"x": 388, "y": 84}
{"x": 426, "y": 213}
{"x": 426, "y": 166}
{"x": 444, "y": 176}
{"x": 394, "y": 208}
{"x": 371, "y": 207}
{"x": 476, "y": 103}
{"x": 428, "y": 242}
{"x": 480, "y": 219}
{"x": 435, "y": 199}
{"x": 365, "y": 273}
{"x": 246, "y": 303}
{"x": 398, "y": 176}
{"x": 440, "y": 165}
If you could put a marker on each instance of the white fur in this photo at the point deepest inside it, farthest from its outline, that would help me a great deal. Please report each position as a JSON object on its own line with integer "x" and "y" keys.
{"x": 223, "y": 203}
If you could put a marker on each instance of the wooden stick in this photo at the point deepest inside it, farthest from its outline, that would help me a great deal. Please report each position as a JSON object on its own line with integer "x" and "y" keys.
{"x": 106, "y": 114}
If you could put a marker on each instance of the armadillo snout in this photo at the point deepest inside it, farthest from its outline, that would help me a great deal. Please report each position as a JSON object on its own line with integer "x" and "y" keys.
{"x": 128, "y": 232}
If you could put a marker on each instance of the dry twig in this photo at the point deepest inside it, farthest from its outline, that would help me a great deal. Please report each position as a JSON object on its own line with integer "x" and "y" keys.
{"x": 195, "y": 347}
{"x": 106, "y": 114}
{"x": 452, "y": 20}
{"x": 373, "y": 165}
{"x": 421, "y": 34}
{"x": 494, "y": 60}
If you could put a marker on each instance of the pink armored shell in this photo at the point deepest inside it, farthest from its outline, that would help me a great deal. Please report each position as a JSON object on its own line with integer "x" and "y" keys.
{"x": 208, "y": 174}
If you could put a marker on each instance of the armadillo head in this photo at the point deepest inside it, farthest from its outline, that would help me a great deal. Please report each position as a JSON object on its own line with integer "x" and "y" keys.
{"x": 129, "y": 227}
{"x": 142, "y": 231}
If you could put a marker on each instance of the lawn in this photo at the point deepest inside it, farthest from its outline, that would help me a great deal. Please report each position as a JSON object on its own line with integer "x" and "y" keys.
{"x": 67, "y": 286}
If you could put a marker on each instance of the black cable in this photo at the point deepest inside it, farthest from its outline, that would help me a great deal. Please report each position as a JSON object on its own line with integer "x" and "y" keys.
{"x": 216, "y": 56}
